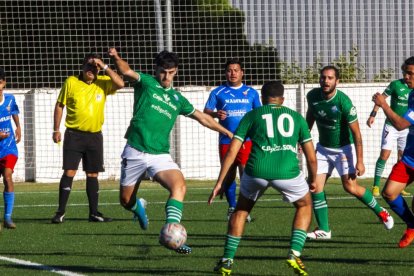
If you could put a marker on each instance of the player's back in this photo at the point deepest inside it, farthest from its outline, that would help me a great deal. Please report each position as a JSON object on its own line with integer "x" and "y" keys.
{"x": 275, "y": 132}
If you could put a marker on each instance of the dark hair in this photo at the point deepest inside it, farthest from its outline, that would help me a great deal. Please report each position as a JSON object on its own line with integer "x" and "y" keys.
{"x": 88, "y": 57}
{"x": 88, "y": 65}
{"x": 273, "y": 89}
{"x": 166, "y": 59}
{"x": 233, "y": 61}
{"x": 2, "y": 74}
{"x": 408, "y": 61}
{"x": 330, "y": 67}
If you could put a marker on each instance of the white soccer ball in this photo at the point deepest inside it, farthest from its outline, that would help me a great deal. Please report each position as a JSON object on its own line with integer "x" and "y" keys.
{"x": 173, "y": 235}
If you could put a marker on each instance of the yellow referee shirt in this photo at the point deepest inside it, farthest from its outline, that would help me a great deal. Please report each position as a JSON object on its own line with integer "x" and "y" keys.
{"x": 85, "y": 103}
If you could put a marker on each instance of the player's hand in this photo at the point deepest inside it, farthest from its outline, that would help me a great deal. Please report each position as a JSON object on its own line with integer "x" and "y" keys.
{"x": 99, "y": 63}
{"x": 4, "y": 135}
{"x": 17, "y": 135}
{"x": 370, "y": 121}
{"x": 378, "y": 99}
{"x": 57, "y": 136}
{"x": 360, "y": 168}
{"x": 312, "y": 186}
{"x": 112, "y": 52}
{"x": 221, "y": 115}
{"x": 216, "y": 191}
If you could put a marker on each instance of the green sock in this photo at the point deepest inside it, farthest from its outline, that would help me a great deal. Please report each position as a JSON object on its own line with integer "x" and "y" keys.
{"x": 173, "y": 210}
{"x": 379, "y": 169}
{"x": 369, "y": 200}
{"x": 320, "y": 208}
{"x": 297, "y": 241}
{"x": 230, "y": 247}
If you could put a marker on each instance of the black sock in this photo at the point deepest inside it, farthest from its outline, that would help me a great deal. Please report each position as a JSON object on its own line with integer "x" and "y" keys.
{"x": 65, "y": 187}
{"x": 92, "y": 190}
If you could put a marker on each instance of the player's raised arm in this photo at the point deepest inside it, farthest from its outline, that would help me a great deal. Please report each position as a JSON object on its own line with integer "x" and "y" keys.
{"x": 122, "y": 65}
{"x": 398, "y": 122}
{"x": 117, "y": 81}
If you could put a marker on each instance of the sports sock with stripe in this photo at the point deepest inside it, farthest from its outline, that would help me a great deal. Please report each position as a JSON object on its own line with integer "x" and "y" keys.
{"x": 173, "y": 210}
{"x": 379, "y": 169}
{"x": 320, "y": 208}
{"x": 230, "y": 247}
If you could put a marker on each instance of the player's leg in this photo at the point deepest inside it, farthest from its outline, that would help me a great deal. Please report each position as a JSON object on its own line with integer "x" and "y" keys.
{"x": 229, "y": 182}
{"x": 8, "y": 194}
{"x": 241, "y": 161}
{"x": 72, "y": 154}
{"x": 400, "y": 175}
{"x": 401, "y": 142}
{"x": 296, "y": 191}
{"x": 387, "y": 144}
{"x": 301, "y": 224}
{"x": 133, "y": 167}
{"x": 320, "y": 204}
{"x": 379, "y": 169}
{"x": 351, "y": 186}
{"x": 234, "y": 235}
{"x": 93, "y": 163}
{"x": 173, "y": 181}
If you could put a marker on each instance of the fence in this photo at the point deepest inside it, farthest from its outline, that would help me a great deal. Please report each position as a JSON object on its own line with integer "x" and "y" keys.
{"x": 194, "y": 147}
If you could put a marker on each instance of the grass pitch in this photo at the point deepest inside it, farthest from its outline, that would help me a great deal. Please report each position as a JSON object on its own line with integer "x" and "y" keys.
{"x": 360, "y": 244}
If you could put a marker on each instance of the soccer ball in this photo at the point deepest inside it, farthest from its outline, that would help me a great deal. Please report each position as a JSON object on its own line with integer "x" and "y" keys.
{"x": 173, "y": 235}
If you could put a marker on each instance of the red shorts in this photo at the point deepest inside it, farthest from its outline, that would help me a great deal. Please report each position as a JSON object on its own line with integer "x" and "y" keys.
{"x": 242, "y": 155}
{"x": 8, "y": 162}
{"x": 402, "y": 173}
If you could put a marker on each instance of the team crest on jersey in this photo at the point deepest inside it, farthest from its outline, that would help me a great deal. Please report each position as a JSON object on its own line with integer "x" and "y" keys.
{"x": 245, "y": 92}
{"x": 353, "y": 111}
{"x": 322, "y": 113}
{"x": 334, "y": 109}
{"x": 176, "y": 97}
{"x": 98, "y": 97}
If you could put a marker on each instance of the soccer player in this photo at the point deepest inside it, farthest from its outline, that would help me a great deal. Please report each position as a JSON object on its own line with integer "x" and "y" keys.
{"x": 398, "y": 90}
{"x": 84, "y": 96}
{"x": 275, "y": 131}
{"x": 402, "y": 173}
{"x": 8, "y": 148}
{"x": 156, "y": 107}
{"x": 339, "y": 147}
{"x": 229, "y": 102}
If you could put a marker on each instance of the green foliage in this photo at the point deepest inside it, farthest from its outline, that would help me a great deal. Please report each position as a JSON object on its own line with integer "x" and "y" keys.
{"x": 384, "y": 75}
{"x": 349, "y": 68}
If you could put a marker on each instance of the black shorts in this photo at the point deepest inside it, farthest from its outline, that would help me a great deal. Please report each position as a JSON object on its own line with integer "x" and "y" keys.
{"x": 87, "y": 146}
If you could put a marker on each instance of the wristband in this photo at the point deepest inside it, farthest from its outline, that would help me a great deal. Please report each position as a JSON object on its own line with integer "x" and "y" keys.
{"x": 105, "y": 67}
{"x": 373, "y": 114}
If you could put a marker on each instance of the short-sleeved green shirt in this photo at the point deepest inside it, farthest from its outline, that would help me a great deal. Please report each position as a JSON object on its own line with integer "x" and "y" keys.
{"x": 275, "y": 132}
{"x": 332, "y": 117}
{"x": 155, "y": 111}
{"x": 398, "y": 91}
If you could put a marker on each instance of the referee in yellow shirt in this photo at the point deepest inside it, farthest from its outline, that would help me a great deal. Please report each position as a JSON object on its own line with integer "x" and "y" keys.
{"x": 84, "y": 97}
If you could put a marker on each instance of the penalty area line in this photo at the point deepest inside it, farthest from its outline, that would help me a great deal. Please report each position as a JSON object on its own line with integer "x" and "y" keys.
{"x": 39, "y": 266}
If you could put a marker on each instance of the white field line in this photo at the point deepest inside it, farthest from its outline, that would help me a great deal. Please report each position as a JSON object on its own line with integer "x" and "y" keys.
{"x": 39, "y": 266}
{"x": 217, "y": 201}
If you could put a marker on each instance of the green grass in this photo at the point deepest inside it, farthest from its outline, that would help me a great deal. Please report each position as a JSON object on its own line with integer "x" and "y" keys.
{"x": 360, "y": 244}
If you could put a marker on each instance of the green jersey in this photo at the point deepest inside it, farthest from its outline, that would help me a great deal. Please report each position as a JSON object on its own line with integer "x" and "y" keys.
{"x": 332, "y": 117}
{"x": 155, "y": 111}
{"x": 398, "y": 91}
{"x": 275, "y": 132}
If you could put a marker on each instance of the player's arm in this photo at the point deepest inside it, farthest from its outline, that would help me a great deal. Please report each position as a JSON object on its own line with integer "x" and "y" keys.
{"x": 220, "y": 114}
{"x": 373, "y": 113}
{"x": 398, "y": 122}
{"x": 18, "y": 132}
{"x": 228, "y": 161}
{"x": 57, "y": 118}
{"x": 311, "y": 163}
{"x": 208, "y": 121}
{"x": 310, "y": 119}
{"x": 356, "y": 133}
{"x": 117, "y": 81}
{"x": 122, "y": 65}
